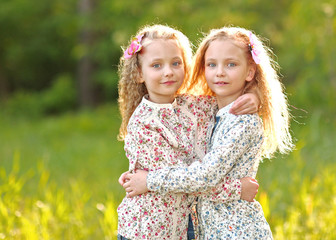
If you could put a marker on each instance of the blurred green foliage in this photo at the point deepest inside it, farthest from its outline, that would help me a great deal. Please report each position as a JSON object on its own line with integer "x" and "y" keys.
{"x": 59, "y": 98}
{"x": 40, "y": 40}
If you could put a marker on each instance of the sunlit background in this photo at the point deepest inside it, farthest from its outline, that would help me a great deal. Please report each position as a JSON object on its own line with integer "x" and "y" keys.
{"x": 59, "y": 154}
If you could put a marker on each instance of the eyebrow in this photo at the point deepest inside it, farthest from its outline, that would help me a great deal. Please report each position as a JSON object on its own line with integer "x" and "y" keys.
{"x": 160, "y": 59}
{"x": 225, "y": 59}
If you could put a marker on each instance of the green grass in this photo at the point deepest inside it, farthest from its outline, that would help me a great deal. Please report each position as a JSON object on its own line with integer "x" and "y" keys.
{"x": 76, "y": 146}
{"x": 58, "y": 178}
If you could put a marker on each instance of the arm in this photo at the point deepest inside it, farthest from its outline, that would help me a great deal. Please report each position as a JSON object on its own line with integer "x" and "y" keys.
{"x": 200, "y": 176}
{"x": 135, "y": 184}
{"x": 216, "y": 164}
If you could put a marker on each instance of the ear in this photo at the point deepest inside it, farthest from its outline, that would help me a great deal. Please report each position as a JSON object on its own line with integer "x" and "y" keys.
{"x": 251, "y": 73}
{"x": 141, "y": 80}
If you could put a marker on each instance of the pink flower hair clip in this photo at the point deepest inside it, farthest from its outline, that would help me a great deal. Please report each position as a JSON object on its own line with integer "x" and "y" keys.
{"x": 134, "y": 47}
{"x": 253, "y": 47}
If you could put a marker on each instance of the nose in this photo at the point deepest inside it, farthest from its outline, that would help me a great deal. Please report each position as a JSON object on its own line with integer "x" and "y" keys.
{"x": 168, "y": 72}
{"x": 220, "y": 72}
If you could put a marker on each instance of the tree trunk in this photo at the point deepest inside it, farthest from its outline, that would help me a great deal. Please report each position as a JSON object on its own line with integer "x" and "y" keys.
{"x": 85, "y": 64}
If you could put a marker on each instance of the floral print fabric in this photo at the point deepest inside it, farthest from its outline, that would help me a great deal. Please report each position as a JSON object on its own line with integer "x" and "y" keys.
{"x": 166, "y": 135}
{"x": 234, "y": 153}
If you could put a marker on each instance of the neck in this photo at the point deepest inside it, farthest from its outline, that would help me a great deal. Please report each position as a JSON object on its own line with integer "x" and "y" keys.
{"x": 161, "y": 100}
{"x": 224, "y": 101}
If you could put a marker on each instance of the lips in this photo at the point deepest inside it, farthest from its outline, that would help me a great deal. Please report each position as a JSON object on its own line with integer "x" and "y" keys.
{"x": 169, "y": 82}
{"x": 221, "y": 83}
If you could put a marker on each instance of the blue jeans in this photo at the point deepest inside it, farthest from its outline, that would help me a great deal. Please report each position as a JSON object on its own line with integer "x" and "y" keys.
{"x": 191, "y": 232}
{"x": 122, "y": 238}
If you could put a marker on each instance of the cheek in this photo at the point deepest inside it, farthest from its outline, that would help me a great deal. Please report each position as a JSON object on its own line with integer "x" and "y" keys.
{"x": 208, "y": 74}
{"x": 181, "y": 74}
{"x": 236, "y": 75}
{"x": 153, "y": 74}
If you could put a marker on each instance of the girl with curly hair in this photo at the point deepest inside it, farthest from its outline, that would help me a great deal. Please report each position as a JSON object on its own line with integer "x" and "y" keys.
{"x": 164, "y": 127}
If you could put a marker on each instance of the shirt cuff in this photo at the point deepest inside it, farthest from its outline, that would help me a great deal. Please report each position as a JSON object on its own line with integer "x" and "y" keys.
{"x": 230, "y": 190}
{"x": 237, "y": 187}
{"x": 156, "y": 179}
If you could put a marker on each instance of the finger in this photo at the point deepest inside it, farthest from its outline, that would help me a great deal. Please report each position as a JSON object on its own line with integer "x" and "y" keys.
{"x": 242, "y": 108}
{"x": 123, "y": 178}
{"x": 246, "y": 109}
{"x": 131, "y": 194}
{"x": 239, "y": 101}
{"x": 126, "y": 185}
{"x": 128, "y": 190}
{"x": 236, "y": 106}
{"x": 241, "y": 111}
{"x": 121, "y": 181}
{"x": 128, "y": 175}
{"x": 251, "y": 108}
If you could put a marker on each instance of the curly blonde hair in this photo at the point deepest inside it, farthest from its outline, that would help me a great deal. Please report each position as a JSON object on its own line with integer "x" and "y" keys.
{"x": 131, "y": 91}
{"x": 266, "y": 83}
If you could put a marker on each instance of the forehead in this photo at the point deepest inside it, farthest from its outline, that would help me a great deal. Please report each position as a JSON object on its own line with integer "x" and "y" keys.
{"x": 225, "y": 48}
{"x": 161, "y": 48}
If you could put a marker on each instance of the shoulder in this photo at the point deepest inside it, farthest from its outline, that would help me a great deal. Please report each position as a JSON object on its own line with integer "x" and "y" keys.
{"x": 143, "y": 114}
{"x": 251, "y": 121}
{"x": 234, "y": 127}
{"x": 203, "y": 99}
{"x": 200, "y": 103}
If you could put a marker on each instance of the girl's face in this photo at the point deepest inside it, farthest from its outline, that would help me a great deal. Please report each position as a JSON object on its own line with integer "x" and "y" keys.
{"x": 227, "y": 70}
{"x": 162, "y": 70}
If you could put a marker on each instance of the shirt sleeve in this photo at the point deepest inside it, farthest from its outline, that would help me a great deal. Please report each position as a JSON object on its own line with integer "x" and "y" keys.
{"x": 228, "y": 190}
{"x": 146, "y": 148}
{"x": 201, "y": 176}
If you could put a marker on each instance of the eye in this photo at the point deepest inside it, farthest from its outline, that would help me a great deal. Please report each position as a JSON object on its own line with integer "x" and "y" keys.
{"x": 177, "y": 63}
{"x": 211, "y": 65}
{"x": 156, "y": 65}
{"x": 231, "y": 65}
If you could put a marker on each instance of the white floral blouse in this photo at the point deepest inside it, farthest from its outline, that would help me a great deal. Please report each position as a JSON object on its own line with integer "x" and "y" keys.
{"x": 234, "y": 152}
{"x": 166, "y": 135}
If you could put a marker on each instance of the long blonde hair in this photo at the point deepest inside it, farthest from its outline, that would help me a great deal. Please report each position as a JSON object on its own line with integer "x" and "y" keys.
{"x": 131, "y": 91}
{"x": 274, "y": 106}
